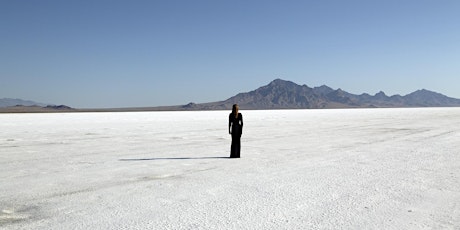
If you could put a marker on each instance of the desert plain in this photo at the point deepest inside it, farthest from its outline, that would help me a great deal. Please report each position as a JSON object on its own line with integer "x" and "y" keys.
{"x": 300, "y": 169}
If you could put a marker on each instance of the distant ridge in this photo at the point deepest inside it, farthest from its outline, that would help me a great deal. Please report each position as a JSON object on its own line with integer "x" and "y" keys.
{"x": 8, "y": 102}
{"x": 278, "y": 94}
{"x": 9, "y": 105}
{"x": 282, "y": 94}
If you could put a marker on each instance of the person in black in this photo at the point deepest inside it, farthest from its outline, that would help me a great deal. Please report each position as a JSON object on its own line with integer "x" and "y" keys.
{"x": 235, "y": 128}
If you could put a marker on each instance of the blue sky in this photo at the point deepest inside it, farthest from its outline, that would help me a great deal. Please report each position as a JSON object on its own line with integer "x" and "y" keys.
{"x": 98, "y": 53}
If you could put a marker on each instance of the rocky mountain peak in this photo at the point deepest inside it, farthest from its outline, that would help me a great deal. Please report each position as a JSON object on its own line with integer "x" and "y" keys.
{"x": 380, "y": 94}
{"x": 279, "y": 83}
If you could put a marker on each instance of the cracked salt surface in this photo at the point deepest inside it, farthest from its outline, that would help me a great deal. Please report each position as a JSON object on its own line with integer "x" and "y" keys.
{"x": 300, "y": 169}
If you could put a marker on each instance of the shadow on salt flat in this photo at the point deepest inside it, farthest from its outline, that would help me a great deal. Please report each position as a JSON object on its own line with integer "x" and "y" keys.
{"x": 22, "y": 214}
{"x": 174, "y": 158}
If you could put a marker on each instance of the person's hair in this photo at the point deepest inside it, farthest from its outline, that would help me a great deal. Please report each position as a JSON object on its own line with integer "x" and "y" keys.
{"x": 235, "y": 110}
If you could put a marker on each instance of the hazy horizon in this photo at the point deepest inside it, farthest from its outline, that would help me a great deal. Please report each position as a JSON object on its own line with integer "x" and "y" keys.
{"x": 45, "y": 103}
{"x": 107, "y": 54}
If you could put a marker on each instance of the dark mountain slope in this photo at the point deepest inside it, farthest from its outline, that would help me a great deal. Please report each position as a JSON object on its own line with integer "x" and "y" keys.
{"x": 281, "y": 94}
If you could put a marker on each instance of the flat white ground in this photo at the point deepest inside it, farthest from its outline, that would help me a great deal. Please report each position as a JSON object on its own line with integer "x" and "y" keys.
{"x": 300, "y": 169}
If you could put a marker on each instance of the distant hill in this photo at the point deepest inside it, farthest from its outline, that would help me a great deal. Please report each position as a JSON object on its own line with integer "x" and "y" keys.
{"x": 8, "y": 102}
{"x": 278, "y": 94}
{"x": 8, "y": 105}
{"x": 281, "y": 94}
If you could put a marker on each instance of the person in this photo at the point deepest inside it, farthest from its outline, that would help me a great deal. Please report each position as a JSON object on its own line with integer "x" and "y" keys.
{"x": 235, "y": 128}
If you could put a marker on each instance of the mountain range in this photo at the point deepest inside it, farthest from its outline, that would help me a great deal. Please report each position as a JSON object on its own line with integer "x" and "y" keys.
{"x": 282, "y": 94}
{"x": 8, "y": 102}
{"x": 10, "y": 105}
{"x": 278, "y": 94}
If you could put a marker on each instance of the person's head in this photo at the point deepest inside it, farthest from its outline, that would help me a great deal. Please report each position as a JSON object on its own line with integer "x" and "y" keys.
{"x": 235, "y": 110}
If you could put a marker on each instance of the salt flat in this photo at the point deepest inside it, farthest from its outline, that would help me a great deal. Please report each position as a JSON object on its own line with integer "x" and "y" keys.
{"x": 300, "y": 169}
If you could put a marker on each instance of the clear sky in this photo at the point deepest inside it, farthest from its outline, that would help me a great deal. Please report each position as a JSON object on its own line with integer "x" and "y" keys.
{"x": 96, "y": 53}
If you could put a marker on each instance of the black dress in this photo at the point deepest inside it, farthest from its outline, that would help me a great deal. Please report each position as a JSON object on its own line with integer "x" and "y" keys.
{"x": 235, "y": 126}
